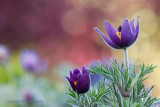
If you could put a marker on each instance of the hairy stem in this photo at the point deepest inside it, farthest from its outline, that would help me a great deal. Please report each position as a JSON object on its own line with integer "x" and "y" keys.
{"x": 126, "y": 58}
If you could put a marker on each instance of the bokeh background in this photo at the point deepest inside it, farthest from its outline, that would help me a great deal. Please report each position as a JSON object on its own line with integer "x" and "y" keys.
{"x": 61, "y": 31}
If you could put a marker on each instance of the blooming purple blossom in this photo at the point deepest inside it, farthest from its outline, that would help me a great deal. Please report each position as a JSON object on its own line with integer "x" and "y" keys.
{"x": 4, "y": 53}
{"x": 80, "y": 82}
{"x": 31, "y": 61}
{"x": 122, "y": 37}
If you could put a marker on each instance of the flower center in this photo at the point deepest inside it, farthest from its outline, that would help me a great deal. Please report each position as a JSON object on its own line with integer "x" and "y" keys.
{"x": 75, "y": 82}
{"x": 119, "y": 28}
{"x": 119, "y": 32}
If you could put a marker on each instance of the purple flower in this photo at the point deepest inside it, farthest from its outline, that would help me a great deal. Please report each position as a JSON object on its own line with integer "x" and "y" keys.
{"x": 80, "y": 82}
{"x": 28, "y": 96}
{"x": 31, "y": 61}
{"x": 4, "y": 53}
{"x": 122, "y": 37}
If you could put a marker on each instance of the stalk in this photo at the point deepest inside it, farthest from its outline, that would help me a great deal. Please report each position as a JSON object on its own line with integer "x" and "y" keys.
{"x": 126, "y": 61}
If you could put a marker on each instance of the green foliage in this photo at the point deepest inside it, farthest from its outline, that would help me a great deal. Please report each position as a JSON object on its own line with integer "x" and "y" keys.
{"x": 127, "y": 84}
{"x": 126, "y": 88}
{"x": 93, "y": 98}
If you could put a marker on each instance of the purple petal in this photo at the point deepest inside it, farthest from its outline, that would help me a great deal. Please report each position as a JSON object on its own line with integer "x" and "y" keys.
{"x": 83, "y": 83}
{"x": 71, "y": 83}
{"x": 107, "y": 41}
{"x": 84, "y": 70}
{"x": 71, "y": 76}
{"x": 137, "y": 29}
{"x": 112, "y": 34}
{"x": 67, "y": 78}
{"x": 126, "y": 34}
{"x": 132, "y": 24}
{"x": 76, "y": 73}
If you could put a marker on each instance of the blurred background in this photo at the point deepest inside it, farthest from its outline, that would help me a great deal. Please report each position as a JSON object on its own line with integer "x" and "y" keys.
{"x": 59, "y": 35}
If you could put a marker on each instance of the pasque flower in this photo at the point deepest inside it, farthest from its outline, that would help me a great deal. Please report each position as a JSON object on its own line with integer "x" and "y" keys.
{"x": 28, "y": 96}
{"x": 32, "y": 62}
{"x": 4, "y": 53}
{"x": 79, "y": 81}
{"x": 122, "y": 37}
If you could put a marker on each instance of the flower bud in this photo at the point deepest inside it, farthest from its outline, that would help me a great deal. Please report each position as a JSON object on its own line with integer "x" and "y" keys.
{"x": 80, "y": 82}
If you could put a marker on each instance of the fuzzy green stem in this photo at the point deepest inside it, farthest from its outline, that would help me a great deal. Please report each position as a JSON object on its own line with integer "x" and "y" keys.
{"x": 126, "y": 61}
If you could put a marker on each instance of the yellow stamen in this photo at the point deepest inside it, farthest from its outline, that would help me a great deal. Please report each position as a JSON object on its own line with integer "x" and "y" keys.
{"x": 119, "y": 35}
{"x": 75, "y": 83}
